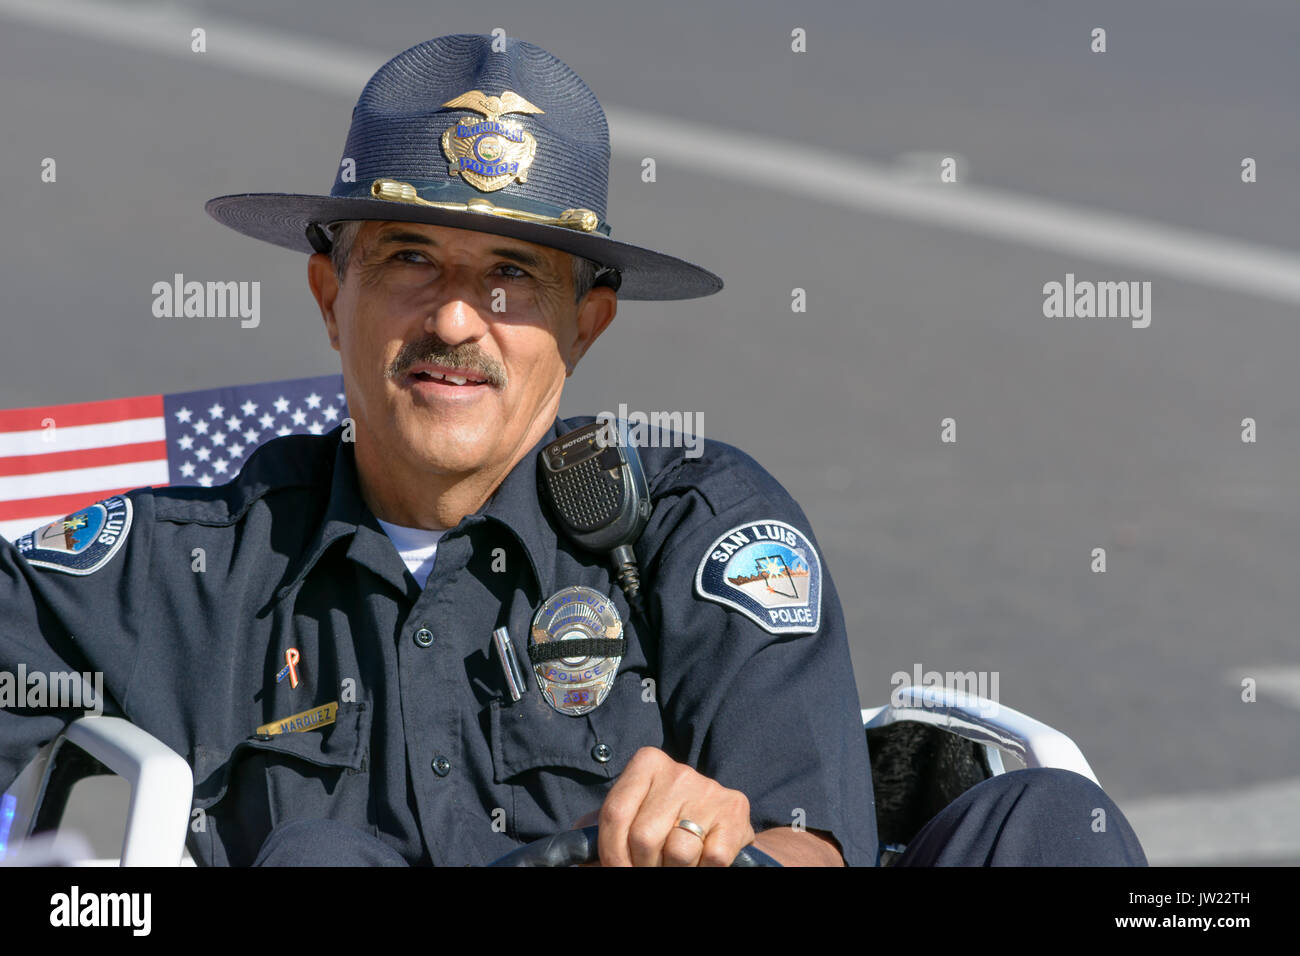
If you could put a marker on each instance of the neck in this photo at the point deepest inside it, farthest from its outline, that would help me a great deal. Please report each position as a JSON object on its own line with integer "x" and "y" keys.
{"x": 400, "y": 492}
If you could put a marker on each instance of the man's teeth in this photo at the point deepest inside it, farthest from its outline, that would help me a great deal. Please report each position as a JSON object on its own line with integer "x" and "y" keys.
{"x": 454, "y": 379}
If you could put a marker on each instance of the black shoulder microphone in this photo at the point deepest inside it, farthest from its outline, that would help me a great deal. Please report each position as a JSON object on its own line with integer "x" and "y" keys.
{"x": 594, "y": 483}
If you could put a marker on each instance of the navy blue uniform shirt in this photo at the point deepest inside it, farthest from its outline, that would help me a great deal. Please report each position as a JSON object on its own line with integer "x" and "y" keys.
{"x": 427, "y": 750}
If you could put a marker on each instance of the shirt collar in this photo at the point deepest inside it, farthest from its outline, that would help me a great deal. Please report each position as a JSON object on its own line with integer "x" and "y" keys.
{"x": 344, "y": 511}
{"x": 515, "y": 505}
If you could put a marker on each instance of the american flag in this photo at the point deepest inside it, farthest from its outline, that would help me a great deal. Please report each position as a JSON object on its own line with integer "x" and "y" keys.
{"x": 57, "y": 459}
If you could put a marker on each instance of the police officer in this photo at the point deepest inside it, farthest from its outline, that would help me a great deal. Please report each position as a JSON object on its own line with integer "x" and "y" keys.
{"x": 331, "y": 677}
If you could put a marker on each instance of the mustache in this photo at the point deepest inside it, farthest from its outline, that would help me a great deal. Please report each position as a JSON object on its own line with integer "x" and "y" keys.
{"x": 436, "y": 352}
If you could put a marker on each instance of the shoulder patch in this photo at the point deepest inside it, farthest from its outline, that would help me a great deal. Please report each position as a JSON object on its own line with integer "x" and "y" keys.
{"x": 769, "y": 571}
{"x": 81, "y": 543}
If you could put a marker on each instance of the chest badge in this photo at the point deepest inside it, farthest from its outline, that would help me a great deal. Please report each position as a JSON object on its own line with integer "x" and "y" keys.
{"x": 577, "y": 645}
{"x": 489, "y": 153}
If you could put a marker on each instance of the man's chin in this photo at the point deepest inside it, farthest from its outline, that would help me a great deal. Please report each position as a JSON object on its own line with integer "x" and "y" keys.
{"x": 448, "y": 447}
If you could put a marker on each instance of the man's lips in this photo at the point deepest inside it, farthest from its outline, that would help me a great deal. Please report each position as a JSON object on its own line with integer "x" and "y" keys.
{"x": 447, "y": 376}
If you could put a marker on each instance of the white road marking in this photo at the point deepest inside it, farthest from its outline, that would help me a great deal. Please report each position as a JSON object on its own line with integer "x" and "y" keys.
{"x": 318, "y": 64}
{"x": 1251, "y": 825}
{"x": 245, "y": 47}
{"x": 1277, "y": 685}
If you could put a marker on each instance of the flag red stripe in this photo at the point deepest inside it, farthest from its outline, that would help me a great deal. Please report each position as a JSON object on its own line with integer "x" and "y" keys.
{"x": 84, "y": 458}
{"x": 53, "y": 505}
{"x": 82, "y": 413}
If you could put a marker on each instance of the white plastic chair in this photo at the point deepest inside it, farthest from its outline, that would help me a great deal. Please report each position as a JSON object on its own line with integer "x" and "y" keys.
{"x": 162, "y": 788}
{"x": 998, "y": 727}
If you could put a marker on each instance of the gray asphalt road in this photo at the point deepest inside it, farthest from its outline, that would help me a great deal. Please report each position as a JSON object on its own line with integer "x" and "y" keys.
{"x": 1072, "y": 434}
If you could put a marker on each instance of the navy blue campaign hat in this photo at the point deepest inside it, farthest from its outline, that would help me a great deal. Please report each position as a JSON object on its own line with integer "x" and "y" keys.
{"x": 453, "y": 133}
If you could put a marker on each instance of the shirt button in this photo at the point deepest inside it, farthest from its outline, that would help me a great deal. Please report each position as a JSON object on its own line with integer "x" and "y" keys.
{"x": 601, "y": 753}
{"x": 441, "y": 766}
{"x": 424, "y": 637}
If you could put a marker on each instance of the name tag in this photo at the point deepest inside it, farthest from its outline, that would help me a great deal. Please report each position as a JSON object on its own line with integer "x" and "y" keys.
{"x": 312, "y": 719}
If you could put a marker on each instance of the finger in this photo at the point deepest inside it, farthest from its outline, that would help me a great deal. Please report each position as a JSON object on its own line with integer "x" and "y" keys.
{"x": 724, "y": 841}
{"x": 620, "y": 809}
{"x": 676, "y": 791}
{"x": 682, "y": 847}
{"x": 654, "y": 823}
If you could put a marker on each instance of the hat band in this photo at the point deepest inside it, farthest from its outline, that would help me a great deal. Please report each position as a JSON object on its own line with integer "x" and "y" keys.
{"x": 395, "y": 190}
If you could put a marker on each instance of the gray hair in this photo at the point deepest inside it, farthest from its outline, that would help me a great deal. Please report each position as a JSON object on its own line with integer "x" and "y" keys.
{"x": 344, "y": 235}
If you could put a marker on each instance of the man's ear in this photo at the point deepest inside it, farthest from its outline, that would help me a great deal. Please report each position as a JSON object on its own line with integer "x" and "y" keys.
{"x": 595, "y": 312}
{"x": 325, "y": 287}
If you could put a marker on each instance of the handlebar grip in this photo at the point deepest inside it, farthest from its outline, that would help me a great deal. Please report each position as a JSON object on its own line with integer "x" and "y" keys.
{"x": 575, "y": 847}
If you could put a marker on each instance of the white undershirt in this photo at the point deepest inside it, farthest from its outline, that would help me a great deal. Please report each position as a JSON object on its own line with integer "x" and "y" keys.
{"x": 417, "y": 546}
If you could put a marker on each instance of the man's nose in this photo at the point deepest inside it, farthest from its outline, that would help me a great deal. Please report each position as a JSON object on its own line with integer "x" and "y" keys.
{"x": 455, "y": 318}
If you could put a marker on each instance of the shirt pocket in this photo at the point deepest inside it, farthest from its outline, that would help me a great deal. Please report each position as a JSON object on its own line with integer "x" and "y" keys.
{"x": 558, "y": 767}
{"x": 246, "y": 790}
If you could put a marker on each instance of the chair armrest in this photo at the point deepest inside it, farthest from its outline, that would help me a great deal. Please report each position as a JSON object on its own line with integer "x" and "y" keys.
{"x": 983, "y": 721}
{"x": 162, "y": 786}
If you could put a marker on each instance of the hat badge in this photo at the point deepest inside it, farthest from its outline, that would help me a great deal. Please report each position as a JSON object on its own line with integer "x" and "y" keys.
{"x": 489, "y": 153}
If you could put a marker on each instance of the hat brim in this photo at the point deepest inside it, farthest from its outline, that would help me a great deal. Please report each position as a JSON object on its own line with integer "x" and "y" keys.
{"x": 282, "y": 218}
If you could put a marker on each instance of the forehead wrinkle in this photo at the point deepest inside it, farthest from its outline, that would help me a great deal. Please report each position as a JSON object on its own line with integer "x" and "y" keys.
{"x": 394, "y": 236}
{"x": 525, "y": 257}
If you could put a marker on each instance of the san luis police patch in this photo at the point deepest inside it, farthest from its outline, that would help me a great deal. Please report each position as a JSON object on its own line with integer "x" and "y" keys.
{"x": 81, "y": 543}
{"x": 768, "y": 570}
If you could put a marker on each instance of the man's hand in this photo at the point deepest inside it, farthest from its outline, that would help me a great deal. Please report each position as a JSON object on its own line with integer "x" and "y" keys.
{"x": 638, "y": 820}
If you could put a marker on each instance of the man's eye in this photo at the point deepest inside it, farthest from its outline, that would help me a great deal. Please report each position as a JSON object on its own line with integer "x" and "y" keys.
{"x": 410, "y": 255}
{"x": 517, "y": 272}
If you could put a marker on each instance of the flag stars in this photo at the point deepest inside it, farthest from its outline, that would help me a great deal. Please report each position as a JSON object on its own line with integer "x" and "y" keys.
{"x": 218, "y": 430}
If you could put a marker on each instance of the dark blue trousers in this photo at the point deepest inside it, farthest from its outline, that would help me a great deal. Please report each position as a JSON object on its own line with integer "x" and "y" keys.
{"x": 1039, "y": 817}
